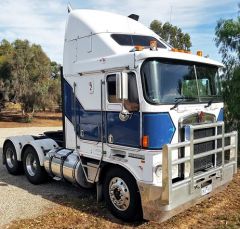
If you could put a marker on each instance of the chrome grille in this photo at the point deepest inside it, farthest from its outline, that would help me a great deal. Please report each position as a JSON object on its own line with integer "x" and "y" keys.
{"x": 208, "y": 161}
{"x": 204, "y": 163}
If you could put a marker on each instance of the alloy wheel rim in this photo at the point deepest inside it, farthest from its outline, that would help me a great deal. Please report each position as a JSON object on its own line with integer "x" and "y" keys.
{"x": 119, "y": 193}
{"x": 31, "y": 165}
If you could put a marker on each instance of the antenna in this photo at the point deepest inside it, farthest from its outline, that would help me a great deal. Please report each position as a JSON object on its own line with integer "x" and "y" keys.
{"x": 69, "y": 7}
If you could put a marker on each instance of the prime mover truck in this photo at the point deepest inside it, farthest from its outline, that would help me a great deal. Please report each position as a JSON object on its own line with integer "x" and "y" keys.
{"x": 142, "y": 121}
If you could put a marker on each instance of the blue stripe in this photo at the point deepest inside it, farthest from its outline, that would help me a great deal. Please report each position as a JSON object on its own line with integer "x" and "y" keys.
{"x": 159, "y": 128}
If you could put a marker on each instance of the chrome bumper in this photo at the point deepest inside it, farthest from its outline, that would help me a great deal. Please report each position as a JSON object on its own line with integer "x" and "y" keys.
{"x": 161, "y": 203}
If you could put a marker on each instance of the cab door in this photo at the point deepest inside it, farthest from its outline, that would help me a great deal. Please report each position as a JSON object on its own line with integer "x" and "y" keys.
{"x": 119, "y": 132}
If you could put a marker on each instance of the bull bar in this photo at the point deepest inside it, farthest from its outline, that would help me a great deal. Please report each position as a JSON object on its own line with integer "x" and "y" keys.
{"x": 161, "y": 203}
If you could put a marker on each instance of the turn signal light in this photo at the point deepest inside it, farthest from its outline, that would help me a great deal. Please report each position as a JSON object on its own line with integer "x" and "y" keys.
{"x": 145, "y": 141}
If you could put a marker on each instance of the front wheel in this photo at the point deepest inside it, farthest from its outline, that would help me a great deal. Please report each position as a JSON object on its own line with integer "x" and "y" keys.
{"x": 122, "y": 196}
{"x": 35, "y": 173}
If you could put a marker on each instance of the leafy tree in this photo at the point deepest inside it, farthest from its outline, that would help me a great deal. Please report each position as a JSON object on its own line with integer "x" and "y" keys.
{"x": 228, "y": 41}
{"x": 26, "y": 76}
{"x": 172, "y": 34}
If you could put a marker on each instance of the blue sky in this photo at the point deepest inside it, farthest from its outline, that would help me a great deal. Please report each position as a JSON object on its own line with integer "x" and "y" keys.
{"x": 43, "y": 21}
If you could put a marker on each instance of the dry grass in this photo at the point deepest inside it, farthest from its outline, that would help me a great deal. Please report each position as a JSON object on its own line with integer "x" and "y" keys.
{"x": 219, "y": 211}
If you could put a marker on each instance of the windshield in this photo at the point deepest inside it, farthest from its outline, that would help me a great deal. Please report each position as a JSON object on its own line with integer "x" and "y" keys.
{"x": 166, "y": 81}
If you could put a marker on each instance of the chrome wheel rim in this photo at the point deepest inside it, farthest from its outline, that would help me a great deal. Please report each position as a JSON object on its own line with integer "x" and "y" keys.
{"x": 31, "y": 164}
{"x": 119, "y": 193}
{"x": 10, "y": 157}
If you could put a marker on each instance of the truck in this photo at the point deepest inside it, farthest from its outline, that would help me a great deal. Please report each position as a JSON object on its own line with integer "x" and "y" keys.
{"x": 142, "y": 121}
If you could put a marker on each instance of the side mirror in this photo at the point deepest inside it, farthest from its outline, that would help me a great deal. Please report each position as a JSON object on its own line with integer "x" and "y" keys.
{"x": 122, "y": 86}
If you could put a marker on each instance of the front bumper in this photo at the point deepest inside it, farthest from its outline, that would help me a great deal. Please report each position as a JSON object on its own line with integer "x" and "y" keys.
{"x": 156, "y": 209}
{"x": 159, "y": 203}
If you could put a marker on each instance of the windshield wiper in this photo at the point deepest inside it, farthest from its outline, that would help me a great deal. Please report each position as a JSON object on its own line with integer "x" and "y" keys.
{"x": 180, "y": 99}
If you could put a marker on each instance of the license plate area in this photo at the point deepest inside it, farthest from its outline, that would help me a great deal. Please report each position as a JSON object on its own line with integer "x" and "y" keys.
{"x": 206, "y": 188}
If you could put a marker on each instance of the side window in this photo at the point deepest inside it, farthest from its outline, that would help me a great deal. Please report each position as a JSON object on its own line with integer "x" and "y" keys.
{"x": 132, "y": 104}
{"x": 111, "y": 89}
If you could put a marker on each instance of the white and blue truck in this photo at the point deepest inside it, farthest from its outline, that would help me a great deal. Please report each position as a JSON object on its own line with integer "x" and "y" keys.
{"x": 142, "y": 121}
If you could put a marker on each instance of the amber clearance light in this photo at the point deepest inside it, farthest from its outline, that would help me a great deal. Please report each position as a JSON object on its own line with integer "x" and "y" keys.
{"x": 145, "y": 141}
{"x": 139, "y": 48}
{"x": 199, "y": 53}
{"x": 180, "y": 50}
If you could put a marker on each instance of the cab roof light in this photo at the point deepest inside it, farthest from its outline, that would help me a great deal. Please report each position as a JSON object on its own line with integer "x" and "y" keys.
{"x": 199, "y": 53}
{"x": 180, "y": 50}
{"x": 145, "y": 141}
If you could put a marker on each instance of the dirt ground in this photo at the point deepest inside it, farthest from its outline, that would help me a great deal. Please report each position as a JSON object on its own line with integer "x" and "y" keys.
{"x": 219, "y": 211}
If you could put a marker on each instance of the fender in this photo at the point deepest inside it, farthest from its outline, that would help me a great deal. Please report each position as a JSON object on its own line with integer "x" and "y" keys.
{"x": 19, "y": 142}
{"x": 42, "y": 146}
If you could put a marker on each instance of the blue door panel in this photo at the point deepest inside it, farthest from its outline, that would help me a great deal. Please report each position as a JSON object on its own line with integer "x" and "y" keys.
{"x": 124, "y": 133}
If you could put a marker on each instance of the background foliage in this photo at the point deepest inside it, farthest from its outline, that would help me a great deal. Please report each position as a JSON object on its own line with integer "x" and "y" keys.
{"x": 28, "y": 77}
{"x": 228, "y": 41}
{"x": 172, "y": 34}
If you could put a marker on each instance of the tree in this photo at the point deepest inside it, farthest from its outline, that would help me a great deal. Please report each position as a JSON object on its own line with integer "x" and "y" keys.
{"x": 27, "y": 76}
{"x": 172, "y": 34}
{"x": 5, "y": 72}
{"x": 228, "y": 41}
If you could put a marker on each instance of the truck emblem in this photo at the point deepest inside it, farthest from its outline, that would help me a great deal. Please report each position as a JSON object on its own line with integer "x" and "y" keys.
{"x": 200, "y": 117}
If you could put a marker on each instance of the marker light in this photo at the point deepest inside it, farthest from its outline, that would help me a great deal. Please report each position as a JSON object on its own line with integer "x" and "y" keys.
{"x": 180, "y": 50}
{"x": 139, "y": 48}
{"x": 199, "y": 53}
{"x": 145, "y": 141}
{"x": 153, "y": 45}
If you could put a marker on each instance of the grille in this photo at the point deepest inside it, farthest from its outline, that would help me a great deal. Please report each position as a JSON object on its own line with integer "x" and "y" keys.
{"x": 204, "y": 163}
{"x": 208, "y": 161}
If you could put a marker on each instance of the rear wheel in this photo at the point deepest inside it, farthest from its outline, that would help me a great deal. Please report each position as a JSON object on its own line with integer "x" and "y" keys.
{"x": 35, "y": 173}
{"x": 122, "y": 196}
{"x": 13, "y": 166}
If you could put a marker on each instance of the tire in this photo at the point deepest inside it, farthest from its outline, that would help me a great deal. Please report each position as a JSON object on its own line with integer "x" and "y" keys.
{"x": 120, "y": 186}
{"x": 35, "y": 173}
{"x": 13, "y": 166}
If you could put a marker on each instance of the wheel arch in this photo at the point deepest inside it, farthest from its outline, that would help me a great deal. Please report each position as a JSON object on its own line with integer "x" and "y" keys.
{"x": 18, "y": 143}
{"x": 108, "y": 166}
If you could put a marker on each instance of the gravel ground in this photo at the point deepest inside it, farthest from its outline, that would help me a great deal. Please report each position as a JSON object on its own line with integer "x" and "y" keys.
{"x": 18, "y": 198}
